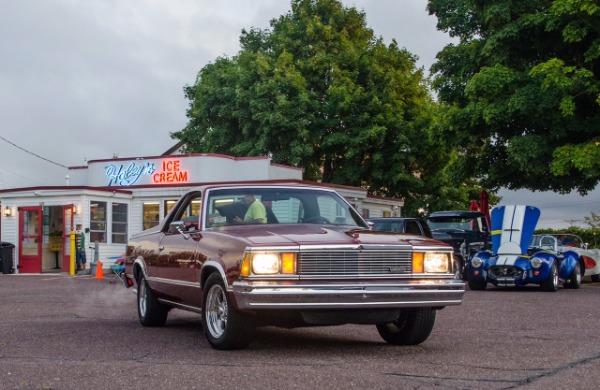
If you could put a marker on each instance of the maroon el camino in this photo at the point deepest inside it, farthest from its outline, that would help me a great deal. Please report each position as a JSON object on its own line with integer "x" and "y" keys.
{"x": 286, "y": 255}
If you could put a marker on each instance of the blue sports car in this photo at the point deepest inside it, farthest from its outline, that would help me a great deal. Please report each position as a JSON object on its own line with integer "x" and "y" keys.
{"x": 519, "y": 258}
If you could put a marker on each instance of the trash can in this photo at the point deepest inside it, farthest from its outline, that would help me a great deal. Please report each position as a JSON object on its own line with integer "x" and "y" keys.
{"x": 93, "y": 266}
{"x": 6, "y": 257}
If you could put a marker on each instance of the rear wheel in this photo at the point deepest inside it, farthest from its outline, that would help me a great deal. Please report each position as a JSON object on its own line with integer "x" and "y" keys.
{"x": 411, "y": 328}
{"x": 225, "y": 328}
{"x": 150, "y": 311}
{"x": 574, "y": 280}
{"x": 551, "y": 283}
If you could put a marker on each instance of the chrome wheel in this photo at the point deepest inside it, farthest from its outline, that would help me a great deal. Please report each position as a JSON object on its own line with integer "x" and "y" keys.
{"x": 555, "y": 277}
{"x": 150, "y": 311}
{"x": 224, "y": 327}
{"x": 143, "y": 300}
{"x": 216, "y": 311}
{"x": 551, "y": 283}
{"x": 574, "y": 280}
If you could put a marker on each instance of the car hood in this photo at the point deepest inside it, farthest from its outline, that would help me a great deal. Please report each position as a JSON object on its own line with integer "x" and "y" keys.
{"x": 306, "y": 234}
{"x": 512, "y": 228}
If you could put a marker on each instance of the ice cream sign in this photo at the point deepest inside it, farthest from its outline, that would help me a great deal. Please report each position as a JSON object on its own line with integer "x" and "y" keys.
{"x": 171, "y": 173}
{"x": 168, "y": 172}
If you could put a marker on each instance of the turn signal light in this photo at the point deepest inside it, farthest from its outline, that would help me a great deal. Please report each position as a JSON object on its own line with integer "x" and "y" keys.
{"x": 417, "y": 262}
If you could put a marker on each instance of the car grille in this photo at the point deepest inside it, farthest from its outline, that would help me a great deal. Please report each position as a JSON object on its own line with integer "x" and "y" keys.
{"x": 354, "y": 263}
{"x": 502, "y": 271}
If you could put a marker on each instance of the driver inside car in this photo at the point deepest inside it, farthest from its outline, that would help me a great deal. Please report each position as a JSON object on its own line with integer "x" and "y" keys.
{"x": 256, "y": 212}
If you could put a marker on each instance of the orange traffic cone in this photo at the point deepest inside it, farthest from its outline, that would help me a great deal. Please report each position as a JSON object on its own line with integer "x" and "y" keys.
{"x": 99, "y": 274}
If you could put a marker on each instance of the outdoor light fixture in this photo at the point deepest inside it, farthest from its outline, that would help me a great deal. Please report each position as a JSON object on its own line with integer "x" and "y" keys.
{"x": 74, "y": 209}
{"x": 7, "y": 211}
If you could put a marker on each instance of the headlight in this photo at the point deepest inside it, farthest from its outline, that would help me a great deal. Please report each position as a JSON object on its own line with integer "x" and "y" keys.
{"x": 435, "y": 262}
{"x": 476, "y": 262}
{"x": 265, "y": 263}
{"x": 268, "y": 263}
{"x": 536, "y": 262}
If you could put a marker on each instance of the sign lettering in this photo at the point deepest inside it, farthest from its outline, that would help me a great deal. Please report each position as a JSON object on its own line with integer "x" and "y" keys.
{"x": 128, "y": 175}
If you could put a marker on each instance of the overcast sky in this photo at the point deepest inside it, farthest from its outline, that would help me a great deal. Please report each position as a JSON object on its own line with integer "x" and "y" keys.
{"x": 88, "y": 79}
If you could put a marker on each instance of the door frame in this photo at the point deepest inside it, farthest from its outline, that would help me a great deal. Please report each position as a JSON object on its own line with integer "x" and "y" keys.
{"x": 68, "y": 219}
{"x": 33, "y": 262}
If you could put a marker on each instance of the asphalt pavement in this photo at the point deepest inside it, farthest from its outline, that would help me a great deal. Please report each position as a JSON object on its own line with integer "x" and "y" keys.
{"x": 63, "y": 332}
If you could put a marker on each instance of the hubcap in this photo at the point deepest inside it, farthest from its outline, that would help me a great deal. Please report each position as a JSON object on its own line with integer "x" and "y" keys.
{"x": 216, "y": 311}
{"x": 142, "y": 298}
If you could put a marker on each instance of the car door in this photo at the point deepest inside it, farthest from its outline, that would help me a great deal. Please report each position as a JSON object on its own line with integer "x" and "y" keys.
{"x": 178, "y": 268}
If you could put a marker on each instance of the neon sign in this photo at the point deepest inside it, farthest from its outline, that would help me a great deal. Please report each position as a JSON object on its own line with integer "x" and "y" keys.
{"x": 128, "y": 175}
{"x": 171, "y": 173}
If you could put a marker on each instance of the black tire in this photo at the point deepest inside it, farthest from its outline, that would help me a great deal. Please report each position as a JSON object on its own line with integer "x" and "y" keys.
{"x": 551, "y": 283}
{"x": 574, "y": 281}
{"x": 596, "y": 278}
{"x": 225, "y": 328}
{"x": 477, "y": 285}
{"x": 150, "y": 311}
{"x": 459, "y": 270}
{"x": 411, "y": 328}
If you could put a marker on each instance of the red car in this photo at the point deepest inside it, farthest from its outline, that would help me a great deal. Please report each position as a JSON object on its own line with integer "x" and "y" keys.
{"x": 286, "y": 255}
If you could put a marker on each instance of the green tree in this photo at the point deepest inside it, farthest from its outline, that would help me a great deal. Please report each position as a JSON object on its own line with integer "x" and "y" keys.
{"x": 593, "y": 221}
{"x": 522, "y": 88}
{"x": 319, "y": 91}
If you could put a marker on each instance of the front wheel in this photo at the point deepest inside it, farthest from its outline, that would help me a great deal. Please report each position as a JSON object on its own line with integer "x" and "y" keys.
{"x": 224, "y": 327}
{"x": 412, "y": 327}
{"x": 459, "y": 270}
{"x": 476, "y": 285}
{"x": 551, "y": 283}
{"x": 150, "y": 311}
{"x": 574, "y": 281}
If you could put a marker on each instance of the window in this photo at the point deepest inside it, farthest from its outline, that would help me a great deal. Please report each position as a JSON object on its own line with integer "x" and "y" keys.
{"x": 169, "y": 204}
{"x": 189, "y": 212}
{"x": 282, "y": 205}
{"x": 387, "y": 214}
{"x": 151, "y": 212}
{"x": 412, "y": 227}
{"x": 97, "y": 221}
{"x": 119, "y": 223}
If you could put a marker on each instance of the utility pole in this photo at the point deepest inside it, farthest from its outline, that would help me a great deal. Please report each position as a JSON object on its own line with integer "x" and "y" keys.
{"x": 571, "y": 221}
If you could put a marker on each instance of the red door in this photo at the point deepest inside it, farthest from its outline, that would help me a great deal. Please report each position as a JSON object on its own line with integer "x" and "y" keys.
{"x": 30, "y": 238}
{"x": 66, "y": 237}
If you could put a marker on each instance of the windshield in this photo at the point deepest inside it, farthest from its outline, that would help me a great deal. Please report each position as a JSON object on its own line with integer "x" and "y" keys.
{"x": 543, "y": 241}
{"x": 247, "y": 205}
{"x": 461, "y": 223}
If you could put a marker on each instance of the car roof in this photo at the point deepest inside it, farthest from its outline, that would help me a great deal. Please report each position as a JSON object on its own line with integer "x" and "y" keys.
{"x": 457, "y": 213}
{"x": 391, "y": 218}
{"x": 262, "y": 185}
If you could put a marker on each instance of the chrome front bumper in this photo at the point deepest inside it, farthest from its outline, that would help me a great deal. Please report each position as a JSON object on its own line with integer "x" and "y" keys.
{"x": 271, "y": 295}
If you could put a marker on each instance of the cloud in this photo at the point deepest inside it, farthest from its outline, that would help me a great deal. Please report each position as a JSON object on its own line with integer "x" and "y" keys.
{"x": 83, "y": 80}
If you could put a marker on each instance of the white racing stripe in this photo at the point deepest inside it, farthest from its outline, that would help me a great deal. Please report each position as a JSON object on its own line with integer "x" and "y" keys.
{"x": 510, "y": 238}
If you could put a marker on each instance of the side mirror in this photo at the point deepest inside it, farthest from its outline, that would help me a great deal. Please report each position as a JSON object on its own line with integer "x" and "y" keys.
{"x": 178, "y": 227}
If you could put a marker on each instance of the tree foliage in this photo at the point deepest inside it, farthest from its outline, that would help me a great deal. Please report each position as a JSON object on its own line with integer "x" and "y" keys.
{"x": 319, "y": 91}
{"x": 522, "y": 88}
{"x": 593, "y": 221}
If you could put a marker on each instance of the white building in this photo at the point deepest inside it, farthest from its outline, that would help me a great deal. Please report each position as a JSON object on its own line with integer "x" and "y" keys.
{"x": 116, "y": 198}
